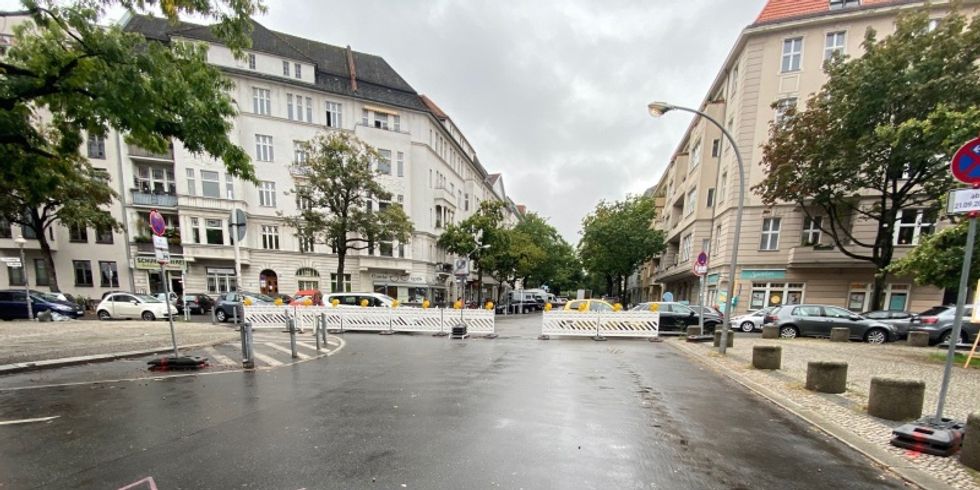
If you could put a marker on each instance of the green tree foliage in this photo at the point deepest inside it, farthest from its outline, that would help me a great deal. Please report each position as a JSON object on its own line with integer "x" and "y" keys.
{"x": 938, "y": 259}
{"x": 877, "y": 138}
{"x": 335, "y": 200}
{"x": 461, "y": 238}
{"x": 65, "y": 77}
{"x": 617, "y": 237}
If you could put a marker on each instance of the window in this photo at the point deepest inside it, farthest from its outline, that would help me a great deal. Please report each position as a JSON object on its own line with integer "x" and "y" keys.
{"x": 210, "y": 186}
{"x": 692, "y": 202}
{"x": 782, "y": 107}
{"x": 711, "y": 197}
{"x": 297, "y": 70}
{"x": 695, "y": 156}
{"x": 811, "y": 230}
{"x": 308, "y": 278}
{"x": 77, "y": 233}
{"x": 792, "y": 54}
{"x": 686, "y": 244}
{"x": 41, "y": 277}
{"x": 401, "y": 200}
{"x": 401, "y": 164}
{"x": 333, "y": 116}
{"x": 214, "y": 231}
{"x": 16, "y": 276}
{"x": 896, "y": 297}
{"x": 191, "y": 183}
{"x": 466, "y": 202}
{"x": 221, "y": 281}
{"x": 96, "y": 146}
{"x": 722, "y": 186}
{"x": 302, "y": 203}
{"x": 834, "y": 44}
{"x": 261, "y": 101}
{"x": 770, "y": 234}
{"x": 765, "y": 294}
{"x": 706, "y": 246}
{"x": 263, "y": 148}
{"x": 376, "y": 119}
{"x": 108, "y": 275}
{"x": 270, "y": 237}
{"x": 843, "y": 4}
{"x": 303, "y": 111}
{"x": 267, "y": 194}
{"x": 300, "y": 155}
{"x": 346, "y": 286}
{"x": 156, "y": 180}
{"x": 911, "y": 224}
{"x": 305, "y": 245}
{"x": 734, "y": 84}
{"x": 83, "y": 272}
{"x": 290, "y": 113}
{"x": 386, "y": 247}
{"x": 384, "y": 162}
{"x": 397, "y": 122}
{"x": 251, "y": 61}
{"x": 717, "y": 247}
{"x": 195, "y": 230}
{"x": 285, "y": 68}
{"x": 715, "y": 147}
{"x": 229, "y": 186}
{"x": 5, "y": 229}
{"x": 103, "y": 234}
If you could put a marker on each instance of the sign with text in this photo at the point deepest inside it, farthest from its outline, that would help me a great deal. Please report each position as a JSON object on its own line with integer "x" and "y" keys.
{"x": 144, "y": 262}
{"x": 13, "y": 262}
{"x": 963, "y": 201}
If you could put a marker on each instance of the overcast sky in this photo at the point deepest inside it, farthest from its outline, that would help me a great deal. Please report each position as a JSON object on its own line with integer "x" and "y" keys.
{"x": 551, "y": 93}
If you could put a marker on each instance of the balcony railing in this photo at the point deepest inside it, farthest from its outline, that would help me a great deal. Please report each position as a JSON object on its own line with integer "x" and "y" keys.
{"x": 140, "y": 152}
{"x": 150, "y": 199}
{"x": 299, "y": 170}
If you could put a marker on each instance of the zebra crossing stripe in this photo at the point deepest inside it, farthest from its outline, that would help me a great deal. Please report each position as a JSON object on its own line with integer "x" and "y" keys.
{"x": 218, "y": 357}
{"x": 308, "y": 346}
{"x": 287, "y": 351}
{"x": 267, "y": 359}
{"x": 332, "y": 343}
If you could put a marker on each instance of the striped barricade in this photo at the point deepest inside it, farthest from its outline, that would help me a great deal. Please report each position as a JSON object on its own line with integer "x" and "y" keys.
{"x": 642, "y": 324}
{"x": 564, "y": 322}
{"x": 478, "y": 322}
{"x": 268, "y": 317}
{"x": 407, "y": 319}
{"x": 402, "y": 319}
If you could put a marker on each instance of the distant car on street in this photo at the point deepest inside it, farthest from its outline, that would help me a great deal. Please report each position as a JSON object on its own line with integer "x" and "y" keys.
{"x": 901, "y": 319}
{"x": 224, "y": 309}
{"x": 198, "y": 303}
{"x": 938, "y": 322}
{"x": 126, "y": 305}
{"x": 751, "y": 321}
{"x": 590, "y": 305}
{"x": 13, "y": 305}
{"x": 676, "y": 317}
{"x": 349, "y": 300}
{"x": 817, "y": 320}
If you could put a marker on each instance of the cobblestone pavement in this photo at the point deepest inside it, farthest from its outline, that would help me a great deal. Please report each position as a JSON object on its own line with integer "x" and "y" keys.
{"x": 22, "y": 341}
{"x": 849, "y": 409}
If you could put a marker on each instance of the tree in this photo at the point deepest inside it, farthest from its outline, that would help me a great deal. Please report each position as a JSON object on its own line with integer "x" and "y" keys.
{"x": 335, "y": 201}
{"x": 877, "y": 138}
{"x": 461, "y": 238}
{"x": 938, "y": 259}
{"x": 65, "y": 76}
{"x": 617, "y": 237}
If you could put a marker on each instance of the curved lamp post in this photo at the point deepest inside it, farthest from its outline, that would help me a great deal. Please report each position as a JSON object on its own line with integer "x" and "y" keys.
{"x": 658, "y": 109}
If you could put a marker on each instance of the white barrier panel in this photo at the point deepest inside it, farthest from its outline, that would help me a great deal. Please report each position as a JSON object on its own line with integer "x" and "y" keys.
{"x": 608, "y": 324}
{"x": 404, "y": 319}
{"x": 418, "y": 320}
{"x": 268, "y": 317}
{"x": 478, "y": 322}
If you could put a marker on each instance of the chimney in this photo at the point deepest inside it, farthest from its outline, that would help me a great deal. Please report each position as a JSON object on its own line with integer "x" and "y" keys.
{"x": 351, "y": 68}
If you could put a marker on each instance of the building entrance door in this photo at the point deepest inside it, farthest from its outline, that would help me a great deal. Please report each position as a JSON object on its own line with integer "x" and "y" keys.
{"x": 269, "y": 282}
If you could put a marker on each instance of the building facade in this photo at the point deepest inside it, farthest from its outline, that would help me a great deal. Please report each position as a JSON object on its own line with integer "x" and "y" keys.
{"x": 288, "y": 90}
{"x": 783, "y": 257}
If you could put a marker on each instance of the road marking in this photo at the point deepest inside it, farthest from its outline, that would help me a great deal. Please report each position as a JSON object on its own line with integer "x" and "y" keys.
{"x": 287, "y": 351}
{"x": 335, "y": 344}
{"x": 28, "y": 421}
{"x": 266, "y": 359}
{"x": 308, "y": 346}
{"x": 221, "y": 358}
{"x": 150, "y": 484}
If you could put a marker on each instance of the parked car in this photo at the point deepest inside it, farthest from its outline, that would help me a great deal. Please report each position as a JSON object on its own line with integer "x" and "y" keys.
{"x": 315, "y": 297}
{"x": 938, "y": 322}
{"x": 224, "y": 309}
{"x": 126, "y": 305}
{"x": 13, "y": 305}
{"x": 676, "y": 317}
{"x": 350, "y": 300}
{"x": 198, "y": 303}
{"x": 817, "y": 320}
{"x": 706, "y": 310}
{"x": 593, "y": 305}
{"x": 175, "y": 300}
{"x": 522, "y": 302}
{"x": 901, "y": 319}
{"x": 286, "y": 299}
{"x": 751, "y": 321}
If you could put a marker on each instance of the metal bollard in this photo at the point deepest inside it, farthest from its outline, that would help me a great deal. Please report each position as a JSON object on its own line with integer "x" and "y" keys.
{"x": 248, "y": 360}
{"x": 323, "y": 329}
{"x": 214, "y": 319}
{"x": 291, "y": 324}
{"x": 316, "y": 332}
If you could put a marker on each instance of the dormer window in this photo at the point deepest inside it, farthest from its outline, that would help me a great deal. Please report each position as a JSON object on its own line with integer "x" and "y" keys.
{"x": 251, "y": 61}
{"x": 844, "y": 4}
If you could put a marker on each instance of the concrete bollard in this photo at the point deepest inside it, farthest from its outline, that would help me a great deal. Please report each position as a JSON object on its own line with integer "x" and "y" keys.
{"x": 918, "y": 339}
{"x": 840, "y": 334}
{"x": 693, "y": 331}
{"x": 731, "y": 337}
{"x": 826, "y": 376}
{"x": 970, "y": 450}
{"x": 770, "y": 332}
{"x": 767, "y": 356}
{"x": 896, "y": 399}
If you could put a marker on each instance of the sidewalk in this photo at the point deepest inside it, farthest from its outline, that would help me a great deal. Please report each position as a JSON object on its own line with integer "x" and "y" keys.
{"x": 845, "y": 416}
{"x": 25, "y": 342}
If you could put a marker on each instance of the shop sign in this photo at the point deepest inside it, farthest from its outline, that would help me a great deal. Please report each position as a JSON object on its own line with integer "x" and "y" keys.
{"x": 220, "y": 271}
{"x": 396, "y": 278}
{"x": 143, "y": 262}
{"x": 763, "y": 274}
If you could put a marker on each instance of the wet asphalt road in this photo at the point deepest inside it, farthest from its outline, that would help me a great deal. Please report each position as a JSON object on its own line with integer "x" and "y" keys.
{"x": 413, "y": 411}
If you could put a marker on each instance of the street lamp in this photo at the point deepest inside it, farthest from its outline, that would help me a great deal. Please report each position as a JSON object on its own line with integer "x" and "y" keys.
{"x": 20, "y": 241}
{"x": 658, "y": 109}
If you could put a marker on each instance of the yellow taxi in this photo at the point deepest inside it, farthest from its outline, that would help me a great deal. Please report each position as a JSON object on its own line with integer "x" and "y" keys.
{"x": 588, "y": 305}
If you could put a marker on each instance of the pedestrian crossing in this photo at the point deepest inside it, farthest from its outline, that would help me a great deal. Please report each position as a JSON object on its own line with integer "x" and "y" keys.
{"x": 271, "y": 350}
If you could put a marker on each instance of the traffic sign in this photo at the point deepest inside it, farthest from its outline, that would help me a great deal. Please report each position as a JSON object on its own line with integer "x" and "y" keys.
{"x": 965, "y": 164}
{"x": 161, "y": 243}
{"x": 157, "y": 223}
{"x": 461, "y": 267}
{"x": 238, "y": 220}
{"x": 13, "y": 262}
{"x": 162, "y": 256}
{"x": 700, "y": 269}
{"x": 668, "y": 296}
{"x": 963, "y": 201}
{"x": 702, "y": 259}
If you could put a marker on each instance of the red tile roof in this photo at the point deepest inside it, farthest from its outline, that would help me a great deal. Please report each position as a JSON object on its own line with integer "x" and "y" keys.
{"x": 785, "y": 9}
{"x": 436, "y": 111}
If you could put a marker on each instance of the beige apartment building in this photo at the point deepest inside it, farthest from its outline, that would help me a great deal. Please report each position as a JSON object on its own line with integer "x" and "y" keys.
{"x": 783, "y": 257}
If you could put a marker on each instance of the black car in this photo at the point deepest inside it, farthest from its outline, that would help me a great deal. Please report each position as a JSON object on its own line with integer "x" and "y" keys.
{"x": 676, "y": 317}
{"x": 938, "y": 322}
{"x": 224, "y": 309}
{"x": 197, "y": 303}
{"x": 13, "y": 305}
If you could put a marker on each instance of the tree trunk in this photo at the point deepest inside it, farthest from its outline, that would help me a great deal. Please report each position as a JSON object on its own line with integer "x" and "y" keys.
{"x": 609, "y": 284}
{"x": 338, "y": 286}
{"x": 479, "y": 287}
{"x": 42, "y": 239}
{"x": 878, "y": 289}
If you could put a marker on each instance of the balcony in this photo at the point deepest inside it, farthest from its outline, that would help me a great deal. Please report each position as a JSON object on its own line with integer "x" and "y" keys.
{"x": 200, "y": 251}
{"x": 299, "y": 170}
{"x": 144, "y": 154}
{"x": 810, "y": 256}
{"x": 365, "y": 263}
{"x": 209, "y": 203}
{"x": 147, "y": 247}
{"x": 162, "y": 200}
{"x": 444, "y": 194}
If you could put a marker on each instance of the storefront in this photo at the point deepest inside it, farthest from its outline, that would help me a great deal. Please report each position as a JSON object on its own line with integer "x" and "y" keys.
{"x": 408, "y": 288}
{"x": 153, "y": 280}
{"x": 220, "y": 279}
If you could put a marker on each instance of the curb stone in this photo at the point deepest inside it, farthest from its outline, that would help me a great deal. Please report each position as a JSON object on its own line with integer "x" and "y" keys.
{"x": 19, "y": 367}
{"x": 870, "y": 450}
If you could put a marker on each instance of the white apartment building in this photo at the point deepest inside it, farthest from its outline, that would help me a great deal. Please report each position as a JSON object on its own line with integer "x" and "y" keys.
{"x": 287, "y": 90}
{"x": 783, "y": 257}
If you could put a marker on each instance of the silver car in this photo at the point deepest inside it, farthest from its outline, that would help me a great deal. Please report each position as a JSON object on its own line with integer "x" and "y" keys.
{"x": 818, "y": 320}
{"x": 751, "y": 321}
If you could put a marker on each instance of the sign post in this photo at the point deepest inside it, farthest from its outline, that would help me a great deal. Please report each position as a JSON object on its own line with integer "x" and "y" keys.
{"x": 161, "y": 249}
{"x": 701, "y": 270}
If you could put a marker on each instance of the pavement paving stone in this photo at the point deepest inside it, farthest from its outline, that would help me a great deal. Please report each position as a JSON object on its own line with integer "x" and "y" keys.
{"x": 849, "y": 409}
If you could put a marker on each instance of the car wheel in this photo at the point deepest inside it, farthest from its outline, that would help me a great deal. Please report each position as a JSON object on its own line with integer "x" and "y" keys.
{"x": 104, "y": 315}
{"x": 788, "y": 332}
{"x": 876, "y": 336}
{"x": 747, "y": 326}
{"x": 949, "y": 333}
{"x": 221, "y": 316}
{"x": 148, "y": 316}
